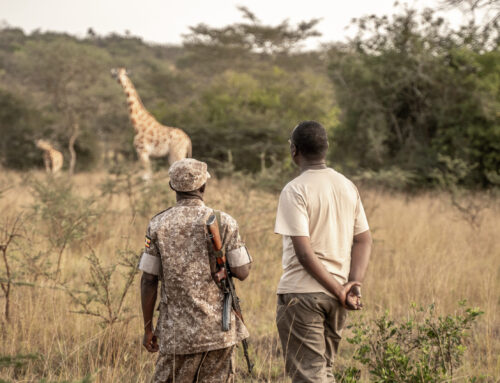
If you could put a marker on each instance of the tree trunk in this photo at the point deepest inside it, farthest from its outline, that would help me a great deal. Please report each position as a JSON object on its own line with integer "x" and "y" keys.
{"x": 71, "y": 147}
{"x": 262, "y": 162}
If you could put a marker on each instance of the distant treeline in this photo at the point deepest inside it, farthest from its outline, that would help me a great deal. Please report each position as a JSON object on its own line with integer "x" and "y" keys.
{"x": 408, "y": 99}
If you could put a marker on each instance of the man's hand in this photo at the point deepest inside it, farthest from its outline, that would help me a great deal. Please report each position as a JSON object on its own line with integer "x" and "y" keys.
{"x": 348, "y": 297}
{"x": 353, "y": 298}
{"x": 150, "y": 341}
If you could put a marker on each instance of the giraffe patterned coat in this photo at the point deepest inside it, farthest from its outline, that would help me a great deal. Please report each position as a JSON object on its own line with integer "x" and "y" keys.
{"x": 152, "y": 139}
{"x": 52, "y": 158}
{"x": 190, "y": 301}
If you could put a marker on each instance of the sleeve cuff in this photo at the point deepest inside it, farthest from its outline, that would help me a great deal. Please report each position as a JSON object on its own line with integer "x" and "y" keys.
{"x": 239, "y": 257}
{"x": 290, "y": 234}
{"x": 359, "y": 230}
{"x": 150, "y": 264}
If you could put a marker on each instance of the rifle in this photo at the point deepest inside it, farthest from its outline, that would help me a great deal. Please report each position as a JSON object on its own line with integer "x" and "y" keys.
{"x": 224, "y": 279}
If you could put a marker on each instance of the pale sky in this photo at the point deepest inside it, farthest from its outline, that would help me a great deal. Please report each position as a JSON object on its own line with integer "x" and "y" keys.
{"x": 164, "y": 21}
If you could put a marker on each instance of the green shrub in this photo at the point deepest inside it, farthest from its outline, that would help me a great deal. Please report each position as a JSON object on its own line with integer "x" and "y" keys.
{"x": 425, "y": 347}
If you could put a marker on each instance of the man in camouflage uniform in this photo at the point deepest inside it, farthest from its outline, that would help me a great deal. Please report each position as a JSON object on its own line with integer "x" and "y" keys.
{"x": 188, "y": 334}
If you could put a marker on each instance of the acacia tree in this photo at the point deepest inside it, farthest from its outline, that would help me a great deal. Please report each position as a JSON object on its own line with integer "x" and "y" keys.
{"x": 493, "y": 5}
{"x": 67, "y": 71}
{"x": 245, "y": 44}
{"x": 256, "y": 84}
{"x": 490, "y": 9}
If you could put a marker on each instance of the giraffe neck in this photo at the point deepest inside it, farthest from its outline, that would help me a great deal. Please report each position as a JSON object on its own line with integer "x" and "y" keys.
{"x": 135, "y": 107}
{"x": 45, "y": 147}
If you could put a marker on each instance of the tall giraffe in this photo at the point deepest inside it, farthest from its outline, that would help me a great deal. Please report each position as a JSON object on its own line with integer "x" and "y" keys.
{"x": 152, "y": 139}
{"x": 52, "y": 158}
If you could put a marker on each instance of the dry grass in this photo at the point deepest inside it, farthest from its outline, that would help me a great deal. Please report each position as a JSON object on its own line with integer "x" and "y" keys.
{"x": 423, "y": 252}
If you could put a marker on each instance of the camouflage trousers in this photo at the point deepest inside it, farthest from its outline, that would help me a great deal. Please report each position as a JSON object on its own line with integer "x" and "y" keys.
{"x": 310, "y": 328}
{"x": 205, "y": 367}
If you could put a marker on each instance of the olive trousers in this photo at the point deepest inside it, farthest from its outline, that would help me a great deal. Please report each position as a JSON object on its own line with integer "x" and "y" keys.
{"x": 205, "y": 367}
{"x": 310, "y": 328}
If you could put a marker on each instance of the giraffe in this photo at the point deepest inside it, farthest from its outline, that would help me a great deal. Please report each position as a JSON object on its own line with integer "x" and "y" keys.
{"x": 52, "y": 158}
{"x": 152, "y": 139}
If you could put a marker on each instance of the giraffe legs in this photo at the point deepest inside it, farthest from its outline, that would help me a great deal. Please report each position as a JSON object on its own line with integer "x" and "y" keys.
{"x": 178, "y": 154}
{"x": 57, "y": 162}
{"x": 47, "y": 162}
{"x": 146, "y": 165}
{"x": 172, "y": 157}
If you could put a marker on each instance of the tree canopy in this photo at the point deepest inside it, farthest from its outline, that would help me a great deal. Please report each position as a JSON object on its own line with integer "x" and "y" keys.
{"x": 407, "y": 93}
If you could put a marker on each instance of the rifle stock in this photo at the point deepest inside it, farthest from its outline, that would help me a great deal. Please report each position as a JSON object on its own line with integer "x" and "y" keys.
{"x": 214, "y": 233}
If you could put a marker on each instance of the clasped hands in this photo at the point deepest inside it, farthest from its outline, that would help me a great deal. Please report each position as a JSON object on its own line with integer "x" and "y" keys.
{"x": 350, "y": 296}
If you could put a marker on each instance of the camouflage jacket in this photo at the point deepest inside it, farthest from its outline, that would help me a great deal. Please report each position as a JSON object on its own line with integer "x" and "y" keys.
{"x": 190, "y": 301}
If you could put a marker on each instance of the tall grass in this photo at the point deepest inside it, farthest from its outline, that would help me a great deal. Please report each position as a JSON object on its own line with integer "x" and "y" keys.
{"x": 424, "y": 252}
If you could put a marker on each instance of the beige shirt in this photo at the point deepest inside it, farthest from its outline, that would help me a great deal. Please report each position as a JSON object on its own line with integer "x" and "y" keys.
{"x": 324, "y": 206}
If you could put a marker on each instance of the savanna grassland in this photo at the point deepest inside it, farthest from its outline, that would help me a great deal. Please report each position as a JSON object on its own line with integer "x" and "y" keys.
{"x": 409, "y": 103}
{"x": 83, "y": 322}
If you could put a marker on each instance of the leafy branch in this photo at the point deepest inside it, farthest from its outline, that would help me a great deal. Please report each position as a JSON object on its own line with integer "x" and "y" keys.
{"x": 424, "y": 348}
{"x": 102, "y": 299}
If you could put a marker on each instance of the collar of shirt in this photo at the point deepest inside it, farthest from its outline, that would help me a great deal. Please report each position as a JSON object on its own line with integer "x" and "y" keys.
{"x": 190, "y": 202}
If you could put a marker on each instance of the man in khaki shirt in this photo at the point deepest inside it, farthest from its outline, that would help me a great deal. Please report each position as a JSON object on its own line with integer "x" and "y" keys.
{"x": 326, "y": 248}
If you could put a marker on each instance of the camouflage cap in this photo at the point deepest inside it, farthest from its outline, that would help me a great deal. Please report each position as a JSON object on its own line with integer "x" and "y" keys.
{"x": 188, "y": 174}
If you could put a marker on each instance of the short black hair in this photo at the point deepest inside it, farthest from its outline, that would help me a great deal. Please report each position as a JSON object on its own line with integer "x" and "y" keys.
{"x": 310, "y": 139}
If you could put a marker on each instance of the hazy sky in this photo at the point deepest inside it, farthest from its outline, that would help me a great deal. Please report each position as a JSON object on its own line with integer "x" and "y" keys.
{"x": 164, "y": 21}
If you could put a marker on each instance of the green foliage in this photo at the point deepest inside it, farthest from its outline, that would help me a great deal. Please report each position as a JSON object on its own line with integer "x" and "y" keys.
{"x": 423, "y": 348}
{"x": 18, "y": 123}
{"x": 404, "y": 94}
{"x": 86, "y": 379}
{"x": 411, "y": 90}
{"x": 16, "y": 361}
{"x": 392, "y": 178}
{"x": 245, "y": 45}
{"x": 66, "y": 216}
{"x": 348, "y": 375}
{"x": 255, "y": 113}
{"x": 70, "y": 75}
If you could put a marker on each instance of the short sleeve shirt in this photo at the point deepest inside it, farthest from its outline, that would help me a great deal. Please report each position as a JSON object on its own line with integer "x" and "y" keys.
{"x": 176, "y": 250}
{"x": 326, "y": 207}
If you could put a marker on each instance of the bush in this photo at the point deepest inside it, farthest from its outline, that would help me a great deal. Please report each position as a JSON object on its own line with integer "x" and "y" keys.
{"x": 67, "y": 217}
{"x": 423, "y": 348}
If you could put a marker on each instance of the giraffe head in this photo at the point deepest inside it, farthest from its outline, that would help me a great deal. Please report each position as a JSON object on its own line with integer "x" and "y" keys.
{"x": 119, "y": 74}
{"x": 44, "y": 145}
